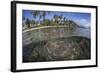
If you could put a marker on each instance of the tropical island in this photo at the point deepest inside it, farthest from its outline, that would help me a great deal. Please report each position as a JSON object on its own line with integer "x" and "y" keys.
{"x": 40, "y": 20}
{"x": 55, "y": 36}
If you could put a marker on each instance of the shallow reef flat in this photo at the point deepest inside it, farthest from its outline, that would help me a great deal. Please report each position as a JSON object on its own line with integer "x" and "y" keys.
{"x": 58, "y": 49}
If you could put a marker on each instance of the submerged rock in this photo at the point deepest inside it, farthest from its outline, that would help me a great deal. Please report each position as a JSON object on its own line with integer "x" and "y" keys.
{"x": 60, "y": 49}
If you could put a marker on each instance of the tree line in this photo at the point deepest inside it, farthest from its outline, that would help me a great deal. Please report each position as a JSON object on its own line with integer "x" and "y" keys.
{"x": 39, "y": 19}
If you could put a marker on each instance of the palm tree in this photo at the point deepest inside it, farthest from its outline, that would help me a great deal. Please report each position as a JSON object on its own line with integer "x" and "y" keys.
{"x": 56, "y": 18}
{"x": 43, "y": 15}
{"x": 23, "y": 17}
{"x": 33, "y": 22}
{"x": 28, "y": 23}
{"x": 60, "y": 17}
{"x": 23, "y": 21}
{"x": 64, "y": 19}
{"x": 40, "y": 16}
{"x": 35, "y": 14}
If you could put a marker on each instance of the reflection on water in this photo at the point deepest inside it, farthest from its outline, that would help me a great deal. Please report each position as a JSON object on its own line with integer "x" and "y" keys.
{"x": 51, "y": 33}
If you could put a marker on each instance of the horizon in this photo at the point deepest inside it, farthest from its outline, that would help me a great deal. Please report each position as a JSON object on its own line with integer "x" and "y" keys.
{"x": 82, "y": 19}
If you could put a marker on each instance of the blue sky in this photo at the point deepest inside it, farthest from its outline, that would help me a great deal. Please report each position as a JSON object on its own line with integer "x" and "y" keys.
{"x": 83, "y": 19}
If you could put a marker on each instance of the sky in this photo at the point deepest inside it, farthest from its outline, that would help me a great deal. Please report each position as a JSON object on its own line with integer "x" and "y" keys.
{"x": 83, "y": 19}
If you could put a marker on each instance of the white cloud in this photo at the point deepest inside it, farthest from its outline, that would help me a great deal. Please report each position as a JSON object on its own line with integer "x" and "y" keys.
{"x": 83, "y": 22}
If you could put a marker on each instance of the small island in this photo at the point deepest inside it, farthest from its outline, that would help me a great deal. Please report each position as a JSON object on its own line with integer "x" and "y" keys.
{"x": 40, "y": 20}
{"x": 54, "y": 36}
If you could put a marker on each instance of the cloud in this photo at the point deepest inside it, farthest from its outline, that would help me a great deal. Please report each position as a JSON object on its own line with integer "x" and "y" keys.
{"x": 83, "y": 22}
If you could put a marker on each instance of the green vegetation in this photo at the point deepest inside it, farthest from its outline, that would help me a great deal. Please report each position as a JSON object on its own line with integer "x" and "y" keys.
{"x": 39, "y": 19}
{"x": 57, "y": 40}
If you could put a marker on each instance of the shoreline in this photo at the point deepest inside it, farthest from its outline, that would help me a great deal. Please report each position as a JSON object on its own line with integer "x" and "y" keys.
{"x": 31, "y": 29}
